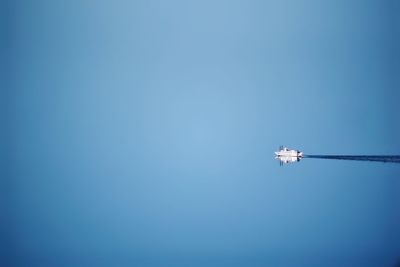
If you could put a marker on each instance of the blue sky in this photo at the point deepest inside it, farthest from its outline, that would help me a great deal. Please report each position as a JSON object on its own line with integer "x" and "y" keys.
{"x": 141, "y": 133}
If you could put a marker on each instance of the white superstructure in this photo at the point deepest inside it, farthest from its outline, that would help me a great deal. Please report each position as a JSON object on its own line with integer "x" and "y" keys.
{"x": 285, "y": 155}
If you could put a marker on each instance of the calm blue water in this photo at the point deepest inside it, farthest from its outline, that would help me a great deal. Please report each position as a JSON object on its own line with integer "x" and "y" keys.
{"x": 141, "y": 133}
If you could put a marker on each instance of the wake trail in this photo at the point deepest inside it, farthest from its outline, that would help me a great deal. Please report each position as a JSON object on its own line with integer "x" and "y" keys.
{"x": 380, "y": 158}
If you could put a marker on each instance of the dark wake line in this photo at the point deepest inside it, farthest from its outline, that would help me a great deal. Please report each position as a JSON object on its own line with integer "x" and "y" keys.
{"x": 391, "y": 159}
